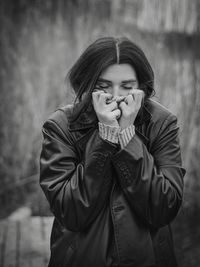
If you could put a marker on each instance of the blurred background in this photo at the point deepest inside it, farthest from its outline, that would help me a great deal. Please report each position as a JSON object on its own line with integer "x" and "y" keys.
{"x": 40, "y": 40}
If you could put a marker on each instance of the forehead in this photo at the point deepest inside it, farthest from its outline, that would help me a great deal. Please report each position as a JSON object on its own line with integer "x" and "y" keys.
{"x": 119, "y": 72}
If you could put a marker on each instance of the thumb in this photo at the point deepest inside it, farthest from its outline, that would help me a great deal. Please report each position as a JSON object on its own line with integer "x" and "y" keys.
{"x": 122, "y": 106}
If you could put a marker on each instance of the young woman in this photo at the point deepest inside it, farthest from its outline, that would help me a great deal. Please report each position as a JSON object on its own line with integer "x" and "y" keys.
{"x": 111, "y": 164}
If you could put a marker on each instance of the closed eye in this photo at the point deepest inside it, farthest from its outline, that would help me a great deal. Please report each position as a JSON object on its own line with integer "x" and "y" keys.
{"x": 103, "y": 85}
{"x": 127, "y": 87}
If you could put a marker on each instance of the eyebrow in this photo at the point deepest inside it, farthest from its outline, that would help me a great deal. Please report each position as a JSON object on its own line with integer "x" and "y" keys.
{"x": 125, "y": 81}
{"x": 129, "y": 81}
{"x": 103, "y": 80}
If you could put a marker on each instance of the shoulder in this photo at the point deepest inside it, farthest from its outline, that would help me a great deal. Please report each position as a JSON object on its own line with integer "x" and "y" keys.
{"x": 56, "y": 128}
{"x": 163, "y": 121}
{"x": 59, "y": 118}
{"x": 159, "y": 113}
{"x": 61, "y": 113}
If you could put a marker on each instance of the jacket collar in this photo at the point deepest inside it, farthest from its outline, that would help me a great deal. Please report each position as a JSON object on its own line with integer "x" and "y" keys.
{"x": 88, "y": 119}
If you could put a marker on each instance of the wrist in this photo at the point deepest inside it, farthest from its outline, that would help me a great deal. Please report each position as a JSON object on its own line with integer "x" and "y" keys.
{"x": 125, "y": 125}
{"x": 113, "y": 123}
{"x": 109, "y": 133}
{"x": 126, "y": 134}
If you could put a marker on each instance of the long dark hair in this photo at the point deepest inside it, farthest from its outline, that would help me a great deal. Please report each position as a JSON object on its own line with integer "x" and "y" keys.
{"x": 97, "y": 57}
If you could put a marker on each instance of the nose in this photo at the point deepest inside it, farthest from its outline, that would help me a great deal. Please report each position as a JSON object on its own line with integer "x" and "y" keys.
{"x": 115, "y": 90}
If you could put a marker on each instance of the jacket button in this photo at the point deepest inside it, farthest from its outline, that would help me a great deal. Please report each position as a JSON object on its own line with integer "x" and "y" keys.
{"x": 118, "y": 208}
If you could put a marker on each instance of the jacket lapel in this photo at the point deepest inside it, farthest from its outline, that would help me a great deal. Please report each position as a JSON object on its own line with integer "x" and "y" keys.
{"x": 142, "y": 118}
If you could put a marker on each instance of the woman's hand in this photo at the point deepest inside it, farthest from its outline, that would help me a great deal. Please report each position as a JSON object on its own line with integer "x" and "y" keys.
{"x": 130, "y": 107}
{"x": 107, "y": 111}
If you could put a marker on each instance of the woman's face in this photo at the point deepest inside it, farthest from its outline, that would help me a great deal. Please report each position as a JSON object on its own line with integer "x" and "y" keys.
{"x": 118, "y": 80}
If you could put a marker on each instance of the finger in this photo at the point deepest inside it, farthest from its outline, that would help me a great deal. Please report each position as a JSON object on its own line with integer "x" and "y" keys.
{"x": 99, "y": 91}
{"x": 133, "y": 96}
{"x": 100, "y": 96}
{"x": 95, "y": 97}
{"x": 139, "y": 97}
{"x": 136, "y": 91}
{"x": 113, "y": 105}
{"x": 105, "y": 96}
{"x": 142, "y": 101}
{"x": 96, "y": 94}
{"x": 108, "y": 101}
{"x": 119, "y": 99}
{"x": 130, "y": 99}
{"x": 122, "y": 106}
{"x": 116, "y": 113}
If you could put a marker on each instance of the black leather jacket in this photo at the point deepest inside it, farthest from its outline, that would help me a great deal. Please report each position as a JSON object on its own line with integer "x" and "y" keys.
{"x": 112, "y": 207}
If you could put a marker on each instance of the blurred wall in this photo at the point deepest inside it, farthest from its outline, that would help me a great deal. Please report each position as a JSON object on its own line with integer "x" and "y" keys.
{"x": 40, "y": 40}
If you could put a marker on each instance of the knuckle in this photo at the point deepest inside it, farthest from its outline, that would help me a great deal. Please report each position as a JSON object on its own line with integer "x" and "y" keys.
{"x": 115, "y": 105}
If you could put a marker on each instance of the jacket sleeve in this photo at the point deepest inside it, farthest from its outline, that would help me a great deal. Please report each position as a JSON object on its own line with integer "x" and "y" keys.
{"x": 77, "y": 191}
{"x": 153, "y": 182}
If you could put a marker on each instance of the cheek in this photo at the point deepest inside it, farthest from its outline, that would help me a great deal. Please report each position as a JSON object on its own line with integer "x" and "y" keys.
{"x": 109, "y": 90}
{"x": 132, "y": 91}
{"x": 125, "y": 92}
